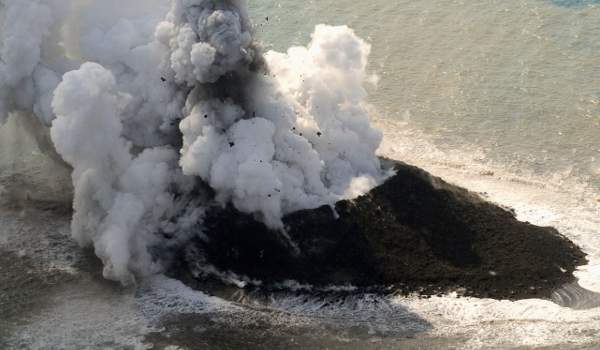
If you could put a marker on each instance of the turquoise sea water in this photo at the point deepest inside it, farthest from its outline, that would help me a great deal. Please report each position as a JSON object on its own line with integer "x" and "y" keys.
{"x": 506, "y": 84}
{"x": 518, "y": 80}
{"x": 573, "y": 3}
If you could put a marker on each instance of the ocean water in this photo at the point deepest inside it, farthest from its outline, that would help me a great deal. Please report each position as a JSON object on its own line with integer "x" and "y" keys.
{"x": 499, "y": 96}
{"x": 517, "y": 80}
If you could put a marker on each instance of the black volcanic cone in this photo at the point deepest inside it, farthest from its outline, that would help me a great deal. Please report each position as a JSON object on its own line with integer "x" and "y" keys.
{"x": 414, "y": 233}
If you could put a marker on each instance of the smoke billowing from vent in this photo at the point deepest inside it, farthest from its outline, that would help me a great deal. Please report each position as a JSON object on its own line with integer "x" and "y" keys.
{"x": 151, "y": 100}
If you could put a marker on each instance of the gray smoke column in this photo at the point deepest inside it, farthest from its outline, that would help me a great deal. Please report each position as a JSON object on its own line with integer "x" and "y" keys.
{"x": 152, "y": 100}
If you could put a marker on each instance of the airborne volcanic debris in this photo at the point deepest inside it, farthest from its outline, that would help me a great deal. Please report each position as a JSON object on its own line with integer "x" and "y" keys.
{"x": 216, "y": 125}
{"x": 443, "y": 238}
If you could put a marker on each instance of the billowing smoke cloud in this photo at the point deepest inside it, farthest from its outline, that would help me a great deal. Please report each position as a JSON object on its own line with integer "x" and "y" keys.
{"x": 150, "y": 100}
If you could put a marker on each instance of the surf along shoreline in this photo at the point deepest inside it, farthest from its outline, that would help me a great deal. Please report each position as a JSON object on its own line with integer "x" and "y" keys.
{"x": 414, "y": 234}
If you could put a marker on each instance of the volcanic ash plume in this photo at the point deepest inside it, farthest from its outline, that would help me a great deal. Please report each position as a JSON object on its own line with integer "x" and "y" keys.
{"x": 150, "y": 110}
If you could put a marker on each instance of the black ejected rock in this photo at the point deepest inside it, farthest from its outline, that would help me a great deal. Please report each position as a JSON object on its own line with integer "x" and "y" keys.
{"x": 415, "y": 232}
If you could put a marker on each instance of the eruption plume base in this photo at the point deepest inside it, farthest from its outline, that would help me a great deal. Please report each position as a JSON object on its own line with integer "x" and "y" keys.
{"x": 160, "y": 108}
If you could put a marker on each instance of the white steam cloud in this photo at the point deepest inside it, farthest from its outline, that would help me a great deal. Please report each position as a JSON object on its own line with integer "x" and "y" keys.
{"x": 148, "y": 99}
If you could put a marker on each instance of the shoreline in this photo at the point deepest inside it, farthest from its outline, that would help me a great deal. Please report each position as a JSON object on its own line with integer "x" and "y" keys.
{"x": 414, "y": 234}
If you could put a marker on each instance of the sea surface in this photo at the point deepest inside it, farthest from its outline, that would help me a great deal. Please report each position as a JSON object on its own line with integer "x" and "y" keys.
{"x": 517, "y": 80}
{"x": 499, "y": 96}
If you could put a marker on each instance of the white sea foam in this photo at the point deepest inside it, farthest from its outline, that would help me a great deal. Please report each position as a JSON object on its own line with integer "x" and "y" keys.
{"x": 146, "y": 98}
{"x": 120, "y": 38}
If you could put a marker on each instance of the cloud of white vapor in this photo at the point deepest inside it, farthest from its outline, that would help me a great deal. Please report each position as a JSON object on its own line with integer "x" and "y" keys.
{"x": 146, "y": 99}
{"x": 26, "y": 83}
{"x": 120, "y": 199}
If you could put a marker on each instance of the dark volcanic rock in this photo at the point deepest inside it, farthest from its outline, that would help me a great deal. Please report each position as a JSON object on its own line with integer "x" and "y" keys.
{"x": 415, "y": 232}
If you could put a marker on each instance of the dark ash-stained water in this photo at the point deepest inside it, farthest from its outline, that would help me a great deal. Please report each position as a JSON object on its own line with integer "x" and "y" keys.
{"x": 501, "y": 97}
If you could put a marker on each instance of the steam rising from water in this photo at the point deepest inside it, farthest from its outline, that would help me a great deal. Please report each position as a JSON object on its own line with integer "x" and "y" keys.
{"x": 148, "y": 100}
